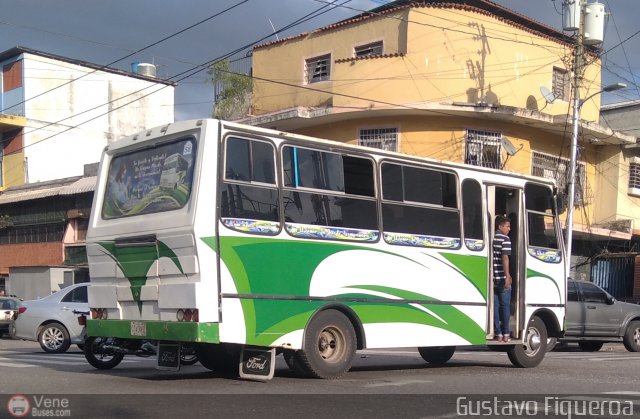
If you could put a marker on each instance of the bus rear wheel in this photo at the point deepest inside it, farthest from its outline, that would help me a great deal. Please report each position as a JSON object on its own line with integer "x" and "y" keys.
{"x": 223, "y": 358}
{"x": 437, "y": 355}
{"x": 531, "y": 351}
{"x": 329, "y": 346}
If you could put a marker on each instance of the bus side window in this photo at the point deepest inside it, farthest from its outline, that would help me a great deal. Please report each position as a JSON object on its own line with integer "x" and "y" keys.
{"x": 419, "y": 206}
{"x": 249, "y": 196}
{"x": 540, "y": 216}
{"x": 472, "y": 214}
{"x": 344, "y": 196}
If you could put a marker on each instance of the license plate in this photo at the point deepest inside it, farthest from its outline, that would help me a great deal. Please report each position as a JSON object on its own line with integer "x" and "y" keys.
{"x": 138, "y": 329}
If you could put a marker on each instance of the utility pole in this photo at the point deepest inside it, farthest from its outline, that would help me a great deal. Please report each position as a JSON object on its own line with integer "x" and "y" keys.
{"x": 577, "y": 82}
{"x": 590, "y": 31}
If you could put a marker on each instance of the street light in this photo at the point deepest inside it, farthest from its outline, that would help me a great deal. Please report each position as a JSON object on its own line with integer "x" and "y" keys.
{"x": 577, "y": 105}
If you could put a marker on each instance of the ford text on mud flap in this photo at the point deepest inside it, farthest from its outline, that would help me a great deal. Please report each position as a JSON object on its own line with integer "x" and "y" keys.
{"x": 257, "y": 363}
{"x": 168, "y": 356}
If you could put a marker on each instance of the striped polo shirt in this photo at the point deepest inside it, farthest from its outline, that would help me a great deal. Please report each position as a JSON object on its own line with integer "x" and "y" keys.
{"x": 501, "y": 247}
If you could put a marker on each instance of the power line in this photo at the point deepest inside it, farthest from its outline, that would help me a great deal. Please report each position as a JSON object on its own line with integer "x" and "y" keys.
{"x": 189, "y": 73}
{"x": 106, "y": 66}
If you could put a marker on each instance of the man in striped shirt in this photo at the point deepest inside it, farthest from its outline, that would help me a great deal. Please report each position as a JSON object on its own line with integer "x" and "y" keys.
{"x": 501, "y": 279}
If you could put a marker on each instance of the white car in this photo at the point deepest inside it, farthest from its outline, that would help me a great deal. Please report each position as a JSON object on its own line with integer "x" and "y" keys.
{"x": 51, "y": 321}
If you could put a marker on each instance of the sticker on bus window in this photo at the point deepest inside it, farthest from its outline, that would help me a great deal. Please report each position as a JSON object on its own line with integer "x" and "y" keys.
{"x": 331, "y": 233}
{"x": 422, "y": 241}
{"x": 473, "y": 244}
{"x": 150, "y": 180}
{"x": 251, "y": 226}
{"x": 545, "y": 255}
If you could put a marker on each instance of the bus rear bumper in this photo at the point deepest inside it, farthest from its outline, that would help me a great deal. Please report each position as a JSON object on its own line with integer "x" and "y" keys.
{"x": 155, "y": 330}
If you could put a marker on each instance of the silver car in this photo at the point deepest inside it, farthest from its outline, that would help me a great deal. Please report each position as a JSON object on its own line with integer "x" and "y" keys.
{"x": 595, "y": 317}
{"x": 51, "y": 320}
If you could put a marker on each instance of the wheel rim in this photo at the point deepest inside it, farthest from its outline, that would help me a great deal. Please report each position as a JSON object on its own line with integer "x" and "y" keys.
{"x": 636, "y": 336}
{"x": 331, "y": 344}
{"x": 532, "y": 342}
{"x": 52, "y": 338}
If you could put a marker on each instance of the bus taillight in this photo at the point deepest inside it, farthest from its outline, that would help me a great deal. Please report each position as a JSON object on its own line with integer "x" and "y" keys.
{"x": 187, "y": 315}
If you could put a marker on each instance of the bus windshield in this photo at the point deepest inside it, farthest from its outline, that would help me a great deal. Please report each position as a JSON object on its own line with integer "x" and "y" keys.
{"x": 150, "y": 180}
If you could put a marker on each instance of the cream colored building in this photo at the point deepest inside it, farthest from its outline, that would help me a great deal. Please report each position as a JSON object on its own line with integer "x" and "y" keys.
{"x": 449, "y": 81}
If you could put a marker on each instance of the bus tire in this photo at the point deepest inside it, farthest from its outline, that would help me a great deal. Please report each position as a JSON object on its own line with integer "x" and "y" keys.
{"x": 97, "y": 357}
{"x": 632, "y": 337}
{"x": 329, "y": 346}
{"x": 223, "y": 358}
{"x": 531, "y": 351}
{"x": 292, "y": 362}
{"x": 437, "y": 355}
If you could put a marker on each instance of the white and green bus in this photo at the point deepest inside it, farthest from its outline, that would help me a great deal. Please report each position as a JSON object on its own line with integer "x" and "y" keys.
{"x": 315, "y": 249}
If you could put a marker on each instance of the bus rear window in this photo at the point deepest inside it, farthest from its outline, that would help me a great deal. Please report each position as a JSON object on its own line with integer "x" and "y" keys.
{"x": 150, "y": 180}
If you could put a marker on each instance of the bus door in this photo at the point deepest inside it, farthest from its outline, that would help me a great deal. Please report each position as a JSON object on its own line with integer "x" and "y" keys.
{"x": 507, "y": 201}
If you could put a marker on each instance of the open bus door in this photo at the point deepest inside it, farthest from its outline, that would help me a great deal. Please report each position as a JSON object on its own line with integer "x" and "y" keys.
{"x": 507, "y": 201}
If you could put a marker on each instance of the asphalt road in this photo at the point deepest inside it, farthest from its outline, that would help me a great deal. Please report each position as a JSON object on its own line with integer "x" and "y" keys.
{"x": 382, "y": 383}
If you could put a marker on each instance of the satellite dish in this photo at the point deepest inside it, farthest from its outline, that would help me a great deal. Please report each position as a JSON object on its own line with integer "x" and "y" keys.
{"x": 508, "y": 146}
{"x": 547, "y": 94}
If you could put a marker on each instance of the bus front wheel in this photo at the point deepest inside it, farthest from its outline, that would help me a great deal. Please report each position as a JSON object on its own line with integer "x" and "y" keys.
{"x": 531, "y": 351}
{"x": 437, "y": 355}
{"x": 329, "y": 346}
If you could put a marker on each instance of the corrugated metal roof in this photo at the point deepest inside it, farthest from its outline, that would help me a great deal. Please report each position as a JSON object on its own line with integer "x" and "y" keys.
{"x": 82, "y": 185}
{"x": 85, "y": 184}
{"x": 7, "y": 198}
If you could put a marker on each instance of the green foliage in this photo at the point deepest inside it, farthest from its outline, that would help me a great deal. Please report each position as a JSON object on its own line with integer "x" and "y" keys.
{"x": 233, "y": 91}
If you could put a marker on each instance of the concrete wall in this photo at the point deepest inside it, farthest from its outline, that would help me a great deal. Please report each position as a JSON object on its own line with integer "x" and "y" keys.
{"x": 31, "y": 283}
{"x": 70, "y": 125}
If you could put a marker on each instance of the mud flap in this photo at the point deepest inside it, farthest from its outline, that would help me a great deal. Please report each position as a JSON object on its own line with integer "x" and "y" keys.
{"x": 168, "y": 356}
{"x": 257, "y": 363}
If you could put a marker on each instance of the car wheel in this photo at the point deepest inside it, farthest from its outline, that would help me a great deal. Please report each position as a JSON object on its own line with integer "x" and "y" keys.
{"x": 632, "y": 337}
{"x": 531, "y": 351}
{"x": 437, "y": 355}
{"x": 54, "y": 338}
{"x": 590, "y": 346}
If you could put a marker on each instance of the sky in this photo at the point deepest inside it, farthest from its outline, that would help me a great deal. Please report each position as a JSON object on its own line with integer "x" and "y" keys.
{"x": 181, "y": 36}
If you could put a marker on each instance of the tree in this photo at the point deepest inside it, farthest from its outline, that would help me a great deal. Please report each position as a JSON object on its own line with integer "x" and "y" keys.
{"x": 232, "y": 91}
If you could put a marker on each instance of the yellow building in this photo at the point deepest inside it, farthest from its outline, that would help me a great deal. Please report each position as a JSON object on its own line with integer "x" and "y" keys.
{"x": 461, "y": 81}
{"x": 11, "y": 154}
